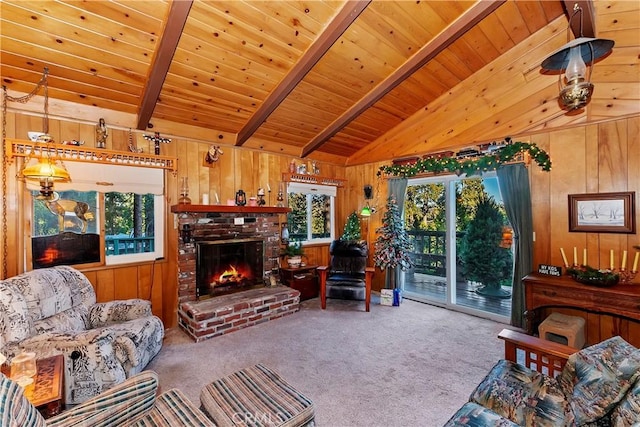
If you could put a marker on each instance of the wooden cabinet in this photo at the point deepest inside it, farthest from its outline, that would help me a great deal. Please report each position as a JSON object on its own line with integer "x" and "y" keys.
{"x": 303, "y": 279}
{"x": 608, "y": 311}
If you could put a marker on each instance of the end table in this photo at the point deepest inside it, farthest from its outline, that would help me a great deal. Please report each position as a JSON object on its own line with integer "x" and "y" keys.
{"x": 46, "y": 391}
{"x": 303, "y": 279}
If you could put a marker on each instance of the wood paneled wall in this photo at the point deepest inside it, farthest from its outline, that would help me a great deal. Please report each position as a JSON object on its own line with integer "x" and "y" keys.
{"x": 602, "y": 157}
{"x": 586, "y": 159}
{"x": 237, "y": 168}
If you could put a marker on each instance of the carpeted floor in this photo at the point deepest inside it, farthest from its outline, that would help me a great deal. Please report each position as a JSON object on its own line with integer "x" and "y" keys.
{"x": 412, "y": 365}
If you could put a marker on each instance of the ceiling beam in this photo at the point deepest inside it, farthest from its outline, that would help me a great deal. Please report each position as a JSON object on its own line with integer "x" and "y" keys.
{"x": 588, "y": 17}
{"x": 446, "y": 37}
{"x": 177, "y": 17}
{"x": 349, "y": 13}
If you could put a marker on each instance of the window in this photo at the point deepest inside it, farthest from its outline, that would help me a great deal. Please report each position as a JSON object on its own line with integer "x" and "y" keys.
{"x": 312, "y": 212}
{"x": 127, "y": 201}
{"x": 131, "y": 233}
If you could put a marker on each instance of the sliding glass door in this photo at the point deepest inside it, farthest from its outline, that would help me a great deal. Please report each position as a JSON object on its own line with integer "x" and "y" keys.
{"x": 462, "y": 245}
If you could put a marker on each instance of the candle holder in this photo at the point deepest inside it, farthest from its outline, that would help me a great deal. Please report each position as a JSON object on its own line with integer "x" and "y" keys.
{"x": 626, "y": 276}
{"x": 184, "y": 192}
{"x": 280, "y": 199}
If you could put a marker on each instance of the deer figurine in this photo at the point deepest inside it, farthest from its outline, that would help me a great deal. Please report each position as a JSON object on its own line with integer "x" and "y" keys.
{"x": 61, "y": 206}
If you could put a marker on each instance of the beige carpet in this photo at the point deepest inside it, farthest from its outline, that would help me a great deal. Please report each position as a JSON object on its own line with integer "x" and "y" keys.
{"x": 412, "y": 365}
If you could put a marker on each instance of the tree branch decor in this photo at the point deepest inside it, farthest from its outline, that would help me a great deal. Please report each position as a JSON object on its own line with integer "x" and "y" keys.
{"x": 471, "y": 166}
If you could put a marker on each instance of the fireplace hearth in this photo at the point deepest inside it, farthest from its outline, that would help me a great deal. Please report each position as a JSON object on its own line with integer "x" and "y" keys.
{"x": 214, "y": 226}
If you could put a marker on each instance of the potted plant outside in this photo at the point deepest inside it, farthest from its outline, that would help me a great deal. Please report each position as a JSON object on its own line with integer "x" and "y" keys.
{"x": 483, "y": 259}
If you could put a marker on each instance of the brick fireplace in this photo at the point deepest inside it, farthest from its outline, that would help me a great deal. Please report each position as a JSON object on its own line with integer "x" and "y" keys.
{"x": 206, "y": 318}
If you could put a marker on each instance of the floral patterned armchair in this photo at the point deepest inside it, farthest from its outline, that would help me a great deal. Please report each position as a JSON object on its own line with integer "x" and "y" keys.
{"x": 598, "y": 386}
{"x": 54, "y": 311}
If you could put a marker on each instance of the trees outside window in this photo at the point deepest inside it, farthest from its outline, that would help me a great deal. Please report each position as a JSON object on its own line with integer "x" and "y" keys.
{"x": 312, "y": 213}
{"x": 132, "y": 231}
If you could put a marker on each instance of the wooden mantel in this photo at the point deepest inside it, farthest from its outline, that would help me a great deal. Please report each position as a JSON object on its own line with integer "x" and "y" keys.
{"x": 182, "y": 208}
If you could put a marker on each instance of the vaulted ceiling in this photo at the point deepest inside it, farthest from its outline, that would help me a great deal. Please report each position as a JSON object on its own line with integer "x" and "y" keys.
{"x": 345, "y": 81}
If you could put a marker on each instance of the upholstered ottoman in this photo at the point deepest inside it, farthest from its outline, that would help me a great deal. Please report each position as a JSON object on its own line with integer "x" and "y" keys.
{"x": 256, "y": 396}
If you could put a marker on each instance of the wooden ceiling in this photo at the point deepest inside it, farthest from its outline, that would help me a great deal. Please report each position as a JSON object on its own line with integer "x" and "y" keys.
{"x": 349, "y": 82}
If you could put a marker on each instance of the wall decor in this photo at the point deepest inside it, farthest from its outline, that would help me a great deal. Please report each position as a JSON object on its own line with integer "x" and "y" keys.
{"x": 212, "y": 155}
{"x": 602, "y": 212}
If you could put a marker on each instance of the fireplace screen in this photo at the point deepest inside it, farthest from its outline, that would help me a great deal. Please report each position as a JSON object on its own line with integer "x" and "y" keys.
{"x": 228, "y": 266}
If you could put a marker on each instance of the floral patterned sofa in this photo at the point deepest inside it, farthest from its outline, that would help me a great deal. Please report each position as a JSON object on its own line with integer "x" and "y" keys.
{"x": 598, "y": 386}
{"x": 54, "y": 311}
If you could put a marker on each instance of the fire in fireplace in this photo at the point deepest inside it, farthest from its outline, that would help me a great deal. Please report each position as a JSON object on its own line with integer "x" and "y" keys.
{"x": 227, "y": 266}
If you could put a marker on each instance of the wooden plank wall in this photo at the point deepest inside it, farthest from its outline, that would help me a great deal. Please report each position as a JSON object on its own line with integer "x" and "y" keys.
{"x": 237, "y": 168}
{"x": 595, "y": 158}
{"x": 602, "y": 157}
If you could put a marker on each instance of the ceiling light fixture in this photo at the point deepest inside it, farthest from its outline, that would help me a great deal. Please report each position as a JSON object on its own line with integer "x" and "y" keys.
{"x": 573, "y": 58}
{"x": 39, "y": 164}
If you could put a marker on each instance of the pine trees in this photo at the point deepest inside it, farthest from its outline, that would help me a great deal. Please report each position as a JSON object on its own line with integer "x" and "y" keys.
{"x": 351, "y": 228}
{"x": 483, "y": 259}
{"x": 392, "y": 246}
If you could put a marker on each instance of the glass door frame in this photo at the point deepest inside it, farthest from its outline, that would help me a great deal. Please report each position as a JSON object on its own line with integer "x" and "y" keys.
{"x": 449, "y": 182}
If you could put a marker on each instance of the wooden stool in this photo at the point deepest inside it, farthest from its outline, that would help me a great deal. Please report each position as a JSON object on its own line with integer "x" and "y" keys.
{"x": 569, "y": 327}
{"x": 256, "y": 396}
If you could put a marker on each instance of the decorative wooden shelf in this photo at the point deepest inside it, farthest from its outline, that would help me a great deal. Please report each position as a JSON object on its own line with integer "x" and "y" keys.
{"x": 313, "y": 179}
{"x": 80, "y": 153}
{"x": 181, "y": 208}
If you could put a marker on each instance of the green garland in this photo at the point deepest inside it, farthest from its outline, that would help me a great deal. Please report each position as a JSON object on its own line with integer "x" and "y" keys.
{"x": 593, "y": 276}
{"x": 471, "y": 166}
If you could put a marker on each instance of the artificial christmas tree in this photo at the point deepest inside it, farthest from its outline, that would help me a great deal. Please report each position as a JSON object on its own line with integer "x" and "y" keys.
{"x": 393, "y": 247}
{"x": 351, "y": 228}
{"x": 483, "y": 259}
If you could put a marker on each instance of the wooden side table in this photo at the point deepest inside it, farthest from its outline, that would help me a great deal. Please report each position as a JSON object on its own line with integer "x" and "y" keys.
{"x": 46, "y": 391}
{"x": 303, "y": 279}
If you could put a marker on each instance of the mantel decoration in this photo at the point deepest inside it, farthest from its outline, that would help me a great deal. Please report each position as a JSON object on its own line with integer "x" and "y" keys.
{"x": 508, "y": 152}
{"x": 156, "y": 139}
{"x": 594, "y": 277}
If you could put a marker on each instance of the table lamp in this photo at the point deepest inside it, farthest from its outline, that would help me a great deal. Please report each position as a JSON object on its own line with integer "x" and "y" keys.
{"x": 23, "y": 368}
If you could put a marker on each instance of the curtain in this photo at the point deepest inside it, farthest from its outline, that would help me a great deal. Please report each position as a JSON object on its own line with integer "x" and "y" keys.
{"x": 513, "y": 181}
{"x": 398, "y": 189}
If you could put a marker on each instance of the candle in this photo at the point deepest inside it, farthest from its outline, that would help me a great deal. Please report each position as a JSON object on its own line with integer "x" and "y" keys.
{"x": 584, "y": 256}
{"x": 611, "y": 259}
{"x": 268, "y": 188}
{"x": 564, "y": 258}
{"x": 575, "y": 256}
{"x": 635, "y": 262}
{"x": 624, "y": 260}
{"x": 205, "y": 199}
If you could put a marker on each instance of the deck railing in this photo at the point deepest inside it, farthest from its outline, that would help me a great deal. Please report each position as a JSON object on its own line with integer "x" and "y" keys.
{"x": 129, "y": 245}
{"x": 429, "y": 251}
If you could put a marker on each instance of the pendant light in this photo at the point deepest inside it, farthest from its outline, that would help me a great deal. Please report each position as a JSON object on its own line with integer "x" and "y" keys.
{"x": 44, "y": 169}
{"x": 576, "y": 58}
